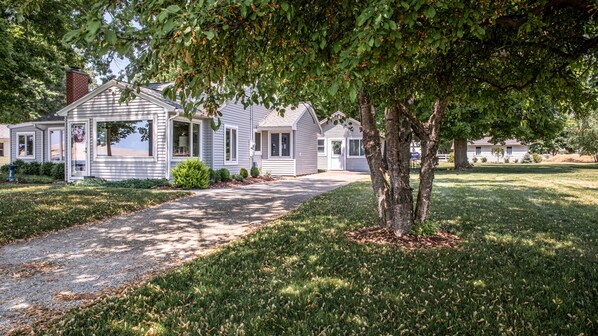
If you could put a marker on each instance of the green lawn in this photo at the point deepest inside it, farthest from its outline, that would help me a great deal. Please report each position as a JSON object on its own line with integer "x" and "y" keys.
{"x": 28, "y": 210}
{"x": 528, "y": 264}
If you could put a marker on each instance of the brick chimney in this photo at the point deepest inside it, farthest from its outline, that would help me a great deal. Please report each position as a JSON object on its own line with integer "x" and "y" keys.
{"x": 77, "y": 84}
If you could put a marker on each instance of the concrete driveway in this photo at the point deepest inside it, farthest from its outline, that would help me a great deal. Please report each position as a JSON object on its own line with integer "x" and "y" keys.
{"x": 64, "y": 269}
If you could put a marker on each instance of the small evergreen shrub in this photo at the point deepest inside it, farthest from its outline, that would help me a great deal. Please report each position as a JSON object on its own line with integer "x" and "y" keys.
{"x": 58, "y": 171}
{"x": 215, "y": 176}
{"x": 4, "y": 169}
{"x": 191, "y": 174}
{"x": 516, "y": 160}
{"x": 224, "y": 174}
{"x": 243, "y": 172}
{"x": 537, "y": 158}
{"x": 46, "y": 168}
{"x": 507, "y": 160}
{"x": 451, "y": 157}
{"x": 31, "y": 168}
{"x": 484, "y": 159}
{"x": 255, "y": 172}
{"x": 526, "y": 159}
{"x": 475, "y": 159}
{"x": 237, "y": 177}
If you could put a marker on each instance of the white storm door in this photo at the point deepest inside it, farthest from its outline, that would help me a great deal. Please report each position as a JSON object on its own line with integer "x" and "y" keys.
{"x": 336, "y": 154}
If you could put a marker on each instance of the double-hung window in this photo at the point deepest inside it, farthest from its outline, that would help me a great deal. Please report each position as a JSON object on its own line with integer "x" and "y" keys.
{"x": 186, "y": 139}
{"x": 1, "y": 149}
{"x": 321, "y": 147}
{"x": 231, "y": 143}
{"x": 130, "y": 138}
{"x": 258, "y": 142}
{"x": 478, "y": 151}
{"x": 280, "y": 144}
{"x": 356, "y": 148}
{"x": 56, "y": 142}
{"x": 509, "y": 150}
{"x": 26, "y": 145}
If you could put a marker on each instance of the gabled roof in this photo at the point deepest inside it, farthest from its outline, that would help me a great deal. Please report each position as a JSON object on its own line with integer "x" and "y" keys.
{"x": 339, "y": 115}
{"x": 144, "y": 93}
{"x": 290, "y": 118}
{"x": 486, "y": 141}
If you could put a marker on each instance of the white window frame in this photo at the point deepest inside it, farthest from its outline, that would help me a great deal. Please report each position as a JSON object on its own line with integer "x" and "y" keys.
{"x": 349, "y": 148}
{"x": 475, "y": 150}
{"x": 317, "y": 147}
{"x": 192, "y": 139}
{"x": 507, "y": 150}
{"x": 92, "y": 146}
{"x": 62, "y": 144}
{"x": 255, "y": 134}
{"x": 236, "y": 161}
{"x": 280, "y": 157}
{"x": 25, "y": 156}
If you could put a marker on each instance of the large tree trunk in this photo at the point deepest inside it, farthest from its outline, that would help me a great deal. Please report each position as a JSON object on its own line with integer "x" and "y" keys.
{"x": 398, "y": 141}
{"x": 460, "y": 154}
{"x": 430, "y": 136}
{"x": 373, "y": 151}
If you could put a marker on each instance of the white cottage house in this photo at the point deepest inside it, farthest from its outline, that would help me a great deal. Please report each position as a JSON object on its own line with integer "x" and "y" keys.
{"x": 4, "y": 144}
{"x": 513, "y": 149}
{"x": 98, "y": 136}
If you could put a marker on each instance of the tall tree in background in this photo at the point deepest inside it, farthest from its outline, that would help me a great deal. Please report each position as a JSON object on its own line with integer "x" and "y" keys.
{"x": 399, "y": 63}
{"x": 33, "y": 57}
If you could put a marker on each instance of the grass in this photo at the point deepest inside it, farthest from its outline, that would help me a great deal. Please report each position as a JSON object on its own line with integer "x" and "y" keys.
{"x": 528, "y": 264}
{"x": 28, "y": 210}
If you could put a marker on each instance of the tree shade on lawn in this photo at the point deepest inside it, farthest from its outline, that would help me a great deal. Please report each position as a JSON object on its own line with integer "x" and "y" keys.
{"x": 526, "y": 265}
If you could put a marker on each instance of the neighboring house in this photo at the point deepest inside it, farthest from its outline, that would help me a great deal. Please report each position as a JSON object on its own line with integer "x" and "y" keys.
{"x": 96, "y": 135}
{"x": 514, "y": 150}
{"x": 4, "y": 145}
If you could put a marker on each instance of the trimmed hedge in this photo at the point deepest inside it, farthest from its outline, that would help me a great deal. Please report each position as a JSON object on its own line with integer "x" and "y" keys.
{"x": 191, "y": 174}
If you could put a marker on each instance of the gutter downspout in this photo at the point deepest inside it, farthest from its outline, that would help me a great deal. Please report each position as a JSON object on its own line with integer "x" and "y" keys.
{"x": 168, "y": 154}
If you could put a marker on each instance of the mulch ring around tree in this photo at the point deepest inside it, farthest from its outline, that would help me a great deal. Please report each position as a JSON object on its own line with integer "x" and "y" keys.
{"x": 386, "y": 236}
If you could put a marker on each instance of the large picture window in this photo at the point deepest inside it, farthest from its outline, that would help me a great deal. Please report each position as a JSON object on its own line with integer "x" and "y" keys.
{"x": 231, "y": 144}
{"x": 356, "y": 148}
{"x": 124, "y": 138}
{"x": 280, "y": 144}
{"x": 186, "y": 139}
{"x": 26, "y": 145}
{"x": 56, "y": 144}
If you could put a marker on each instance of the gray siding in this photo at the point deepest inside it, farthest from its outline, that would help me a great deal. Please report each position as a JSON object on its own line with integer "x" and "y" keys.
{"x": 306, "y": 145}
{"x": 323, "y": 162}
{"x": 107, "y": 105}
{"x": 357, "y": 164}
{"x": 346, "y": 132}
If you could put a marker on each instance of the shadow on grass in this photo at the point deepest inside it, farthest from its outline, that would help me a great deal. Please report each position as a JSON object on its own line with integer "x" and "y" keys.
{"x": 527, "y": 265}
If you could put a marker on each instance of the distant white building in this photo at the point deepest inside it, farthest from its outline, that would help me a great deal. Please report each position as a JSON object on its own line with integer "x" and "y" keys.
{"x": 4, "y": 145}
{"x": 514, "y": 150}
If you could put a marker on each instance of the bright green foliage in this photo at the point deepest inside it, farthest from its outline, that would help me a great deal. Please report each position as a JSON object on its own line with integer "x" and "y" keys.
{"x": 46, "y": 168}
{"x": 215, "y": 176}
{"x": 58, "y": 171}
{"x": 498, "y": 151}
{"x": 191, "y": 174}
{"x": 237, "y": 177}
{"x": 255, "y": 172}
{"x": 224, "y": 174}
{"x": 536, "y": 158}
{"x": 243, "y": 172}
{"x": 583, "y": 135}
{"x": 29, "y": 210}
{"x": 302, "y": 276}
{"x": 484, "y": 159}
{"x": 451, "y": 157}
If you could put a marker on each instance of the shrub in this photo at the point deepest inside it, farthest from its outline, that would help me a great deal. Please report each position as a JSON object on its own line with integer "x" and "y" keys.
{"x": 224, "y": 174}
{"x": 46, "y": 168}
{"x": 475, "y": 159}
{"x": 484, "y": 159}
{"x": 139, "y": 183}
{"x": 451, "y": 157}
{"x": 526, "y": 159}
{"x": 31, "y": 168}
{"x": 507, "y": 160}
{"x": 427, "y": 228}
{"x": 243, "y": 172}
{"x": 191, "y": 174}
{"x": 36, "y": 179}
{"x": 255, "y": 172}
{"x": 238, "y": 177}
{"x": 58, "y": 171}
{"x": 92, "y": 182}
{"x": 214, "y": 176}
{"x": 536, "y": 157}
{"x": 4, "y": 169}
{"x": 516, "y": 160}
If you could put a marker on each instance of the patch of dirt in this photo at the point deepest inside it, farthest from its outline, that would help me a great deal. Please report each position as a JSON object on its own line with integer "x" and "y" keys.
{"x": 573, "y": 158}
{"x": 30, "y": 269}
{"x": 247, "y": 181}
{"x": 70, "y": 296}
{"x": 385, "y": 236}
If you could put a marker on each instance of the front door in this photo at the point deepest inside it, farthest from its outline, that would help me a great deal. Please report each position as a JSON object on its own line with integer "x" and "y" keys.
{"x": 337, "y": 154}
{"x": 78, "y": 140}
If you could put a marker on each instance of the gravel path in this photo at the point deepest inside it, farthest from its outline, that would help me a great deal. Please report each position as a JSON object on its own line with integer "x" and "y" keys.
{"x": 63, "y": 269}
